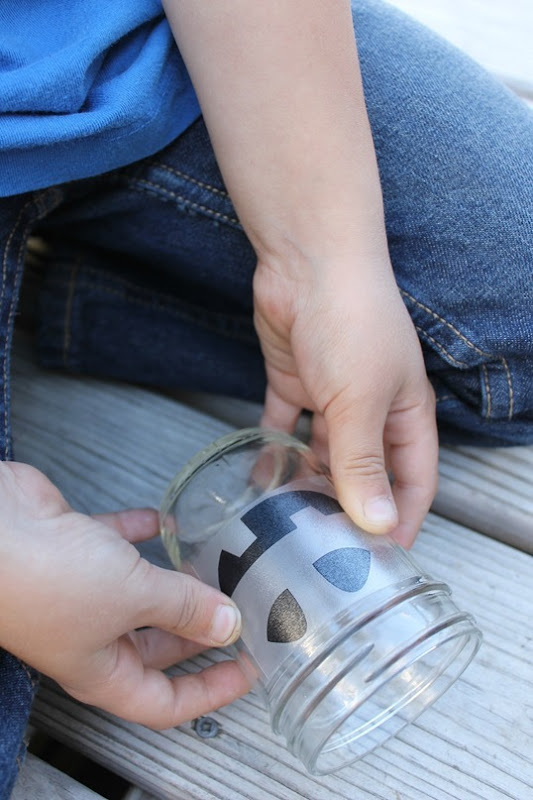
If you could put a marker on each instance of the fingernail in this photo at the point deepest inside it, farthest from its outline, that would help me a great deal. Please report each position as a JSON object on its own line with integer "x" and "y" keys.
{"x": 226, "y": 624}
{"x": 380, "y": 510}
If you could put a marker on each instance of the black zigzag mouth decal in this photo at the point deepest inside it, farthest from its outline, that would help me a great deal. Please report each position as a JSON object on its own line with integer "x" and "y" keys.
{"x": 270, "y": 520}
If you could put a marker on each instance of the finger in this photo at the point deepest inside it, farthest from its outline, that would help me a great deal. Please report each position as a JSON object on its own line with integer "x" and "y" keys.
{"x": 357, "y": 463}
{"x": 147, "y": 696}
{"x": 414, "y": 462}
{"x": 134, "y": 525}
{"x": 183, "y": 606}
{"x": 278, "y": 413}
{"x": 160, "y": 649}
{"x": 319, "y": 438}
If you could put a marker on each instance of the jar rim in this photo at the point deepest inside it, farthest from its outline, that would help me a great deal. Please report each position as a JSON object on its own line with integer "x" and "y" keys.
{"x": 465, "y": 643}
{"x": 215, "y": 449}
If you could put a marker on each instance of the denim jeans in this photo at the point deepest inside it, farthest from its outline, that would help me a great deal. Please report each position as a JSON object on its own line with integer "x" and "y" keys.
{"x": 148, "y": 275}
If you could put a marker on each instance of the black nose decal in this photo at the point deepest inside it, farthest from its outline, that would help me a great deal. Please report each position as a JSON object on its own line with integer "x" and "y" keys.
{"x": 346, "y": 568}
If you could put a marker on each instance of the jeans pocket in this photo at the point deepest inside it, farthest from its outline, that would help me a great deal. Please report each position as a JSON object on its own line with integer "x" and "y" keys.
{"x": 461, "y": 369}
{"x": 94, "y": 321}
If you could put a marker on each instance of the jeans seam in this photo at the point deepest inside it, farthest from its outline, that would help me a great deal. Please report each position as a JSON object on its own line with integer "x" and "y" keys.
{"x": 32, "y": 680}
{"x": 491, "y": 357}
{"x": 509, "y": 386}
{"x": 195, "y": 181}
{"x": 141, "y": 184}
{"x": 71, "y": 288}
{"x": 41, "y": 210}
{"x": 487, "y": 389}
{"x": 11, "y": 305}
{"x": 84, "y": 284}
{"x": 425, "y": 335}
{"x": 449, "y": 325}
{"x": 127, "y": 291}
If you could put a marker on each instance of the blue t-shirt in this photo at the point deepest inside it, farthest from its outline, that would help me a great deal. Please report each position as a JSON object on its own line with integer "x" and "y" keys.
{"x": 86, "y": 86}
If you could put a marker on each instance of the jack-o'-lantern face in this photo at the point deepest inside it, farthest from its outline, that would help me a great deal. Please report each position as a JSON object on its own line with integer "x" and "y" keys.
{"x": 296, "y": 565}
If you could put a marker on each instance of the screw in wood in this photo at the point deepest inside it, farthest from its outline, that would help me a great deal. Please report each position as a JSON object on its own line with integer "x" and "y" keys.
{"x": 206, "y": 727}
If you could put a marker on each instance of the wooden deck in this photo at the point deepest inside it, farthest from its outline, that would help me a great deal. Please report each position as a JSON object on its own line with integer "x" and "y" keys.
{"x": 103, "y": 445}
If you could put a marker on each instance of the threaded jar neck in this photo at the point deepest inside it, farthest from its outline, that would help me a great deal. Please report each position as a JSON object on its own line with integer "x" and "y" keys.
{"x": 370, "y": 672}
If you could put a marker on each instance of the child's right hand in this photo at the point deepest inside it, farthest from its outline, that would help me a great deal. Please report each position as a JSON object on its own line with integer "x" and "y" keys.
{"x": 341, "y": 343}
{"x": 283, "y": 100}
{"x": 73, "y": 591}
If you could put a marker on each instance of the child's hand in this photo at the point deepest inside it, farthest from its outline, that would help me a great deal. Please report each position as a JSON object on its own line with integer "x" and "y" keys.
{"x": 72, "y": 592}
{"x": 283, "y": 100}
{"x": 342, "y": 344}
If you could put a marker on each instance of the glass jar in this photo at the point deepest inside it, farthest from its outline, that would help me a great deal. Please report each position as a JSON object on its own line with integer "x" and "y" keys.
{"x": 343, "y": 634}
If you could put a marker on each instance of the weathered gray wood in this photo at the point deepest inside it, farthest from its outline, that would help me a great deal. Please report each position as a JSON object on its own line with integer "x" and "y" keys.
{"x": 109, "y": 446}
{"x": 138, "y": 794}
{"x": 490, "y": 490}
{"x": 37, "y": 779}
{"x": 73, "y": 429}
{"x": 474, "y": 743}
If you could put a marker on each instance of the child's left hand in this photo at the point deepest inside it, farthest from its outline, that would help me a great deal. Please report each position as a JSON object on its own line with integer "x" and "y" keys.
{"x": 74, "y": 592}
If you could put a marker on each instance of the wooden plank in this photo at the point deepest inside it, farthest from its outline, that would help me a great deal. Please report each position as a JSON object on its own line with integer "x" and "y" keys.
{"x": 474, "y": 743}
{"x": 37, "y": 779}
{"x": 72, "y": 428}
{"x": 109, "y": 446}
{"x": 487, "y": 489}
{"x": 490, "y": 490}
{"x": 98, "y": 442}
{"x": 139, "y": 794}
{"x": 496, "y": 34}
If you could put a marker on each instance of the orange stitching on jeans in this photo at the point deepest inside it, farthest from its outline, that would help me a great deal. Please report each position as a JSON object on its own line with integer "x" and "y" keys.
{"x": 510, "y": 386}
{"x": 448, "y": 325}
{"x": 444, "y": 397}
{"x": 448, "y": 355}
{"x": 189, "y": 178}
{"x": 501, "y": 359}
{"x": 487, "y": 389}
{"x": 141, "y": 183}
{"x": 68, "y": 311}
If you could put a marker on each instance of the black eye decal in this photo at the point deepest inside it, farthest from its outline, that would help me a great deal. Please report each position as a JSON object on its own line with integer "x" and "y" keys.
{"x": 286, "y": 621}
{"x": 346, "y": 568}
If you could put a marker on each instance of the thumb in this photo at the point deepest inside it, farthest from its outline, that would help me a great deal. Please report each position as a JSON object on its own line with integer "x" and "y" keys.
{"x": 186, "y": 607}
{"x": 358, "y": 469}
